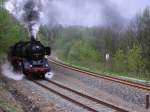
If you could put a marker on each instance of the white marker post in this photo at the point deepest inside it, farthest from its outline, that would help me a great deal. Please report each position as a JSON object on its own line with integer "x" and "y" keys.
{"x": 107, "y": 60}
{"x": 107, "y": 57}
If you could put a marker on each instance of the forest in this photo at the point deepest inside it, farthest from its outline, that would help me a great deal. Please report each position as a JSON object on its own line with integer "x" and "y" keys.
{"x": 127, "y": 47}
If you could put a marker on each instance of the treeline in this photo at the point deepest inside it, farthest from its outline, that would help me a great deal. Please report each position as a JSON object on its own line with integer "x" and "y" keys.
{"x": 128, "y": 48}
{"x": 10, "y": 30}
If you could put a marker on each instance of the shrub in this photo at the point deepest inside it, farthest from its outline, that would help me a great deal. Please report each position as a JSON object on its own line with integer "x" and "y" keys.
{"x": 10, "y": 31}
{"x": 120, "y": 61}
{"x": 135, "y": 62}
{"x": 84, "y": 51}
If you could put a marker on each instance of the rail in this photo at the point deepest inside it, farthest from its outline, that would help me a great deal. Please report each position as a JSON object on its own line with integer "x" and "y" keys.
{"x": 102, "y": 76}
{"x": 107, "y": 104}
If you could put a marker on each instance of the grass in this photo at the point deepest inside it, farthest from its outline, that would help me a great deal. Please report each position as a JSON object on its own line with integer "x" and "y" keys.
{"x": 100, "y": 69}
{"x": 9, "y": 107}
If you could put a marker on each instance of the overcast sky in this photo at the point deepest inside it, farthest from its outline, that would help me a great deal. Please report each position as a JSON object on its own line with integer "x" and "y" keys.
{"x": 85, "y": 12}
{"x": 129, "y": 8}
{"x": 97, "y": 12}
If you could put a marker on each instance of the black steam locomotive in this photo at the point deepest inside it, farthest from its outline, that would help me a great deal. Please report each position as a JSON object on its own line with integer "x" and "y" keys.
{"x": 29, "y": 58}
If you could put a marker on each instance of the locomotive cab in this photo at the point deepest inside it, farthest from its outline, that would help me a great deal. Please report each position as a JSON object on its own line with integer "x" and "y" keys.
{"x": 35, "y": 62}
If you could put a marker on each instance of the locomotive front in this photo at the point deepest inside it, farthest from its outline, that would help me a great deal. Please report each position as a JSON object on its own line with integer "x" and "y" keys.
{"x": 35, "y": 62}
{"x": 30, "y": 57}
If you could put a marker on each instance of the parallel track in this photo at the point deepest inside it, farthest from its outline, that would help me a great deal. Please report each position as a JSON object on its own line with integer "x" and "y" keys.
{"x": 66, "y": 97}
{"x": 107, "y": 104}
{"x": 102, "y": 76}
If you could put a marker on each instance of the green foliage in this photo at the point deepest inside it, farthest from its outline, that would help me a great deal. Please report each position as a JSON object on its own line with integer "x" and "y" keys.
{"x": 143, "y": 34}
{"x": 10, "y": 31}
{"x": 120, "y": 61}
{"x": 135, "y": 62}
{"x": 84, "y": 51}
{"x": 129, "y": 48}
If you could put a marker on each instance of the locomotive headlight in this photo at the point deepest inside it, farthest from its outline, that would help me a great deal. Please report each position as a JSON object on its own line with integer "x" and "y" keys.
{"x": 30, "y": 66}
{"x": 46, "y": 65}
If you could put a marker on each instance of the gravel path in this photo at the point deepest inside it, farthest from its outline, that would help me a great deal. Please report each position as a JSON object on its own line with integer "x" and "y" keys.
{"x": 76, "y": 97}
{"x": 45, "y": 101}
{"x": 57, "y": 100}
{"x": 128, "y": 96}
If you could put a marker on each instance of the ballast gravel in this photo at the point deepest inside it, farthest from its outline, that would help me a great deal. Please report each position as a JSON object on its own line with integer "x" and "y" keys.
{"x": 133, "y": 97}
{"x": 46, "y": 101}
{"x": 78, "y": 98}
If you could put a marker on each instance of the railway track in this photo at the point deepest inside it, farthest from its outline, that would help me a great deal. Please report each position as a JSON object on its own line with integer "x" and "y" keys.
{"x": 102, "y": 76}
{"x": 85, "y": 101}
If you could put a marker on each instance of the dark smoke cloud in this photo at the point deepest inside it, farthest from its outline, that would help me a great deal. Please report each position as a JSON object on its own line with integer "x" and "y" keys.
{"x": 31, "y": 16}
{"x": 72, "y": 12}
{"x": 83, "y": 13}
{"x": 27, "y": 12}
{"x": 112, "y": 15}
{"x": 34, "y": 13}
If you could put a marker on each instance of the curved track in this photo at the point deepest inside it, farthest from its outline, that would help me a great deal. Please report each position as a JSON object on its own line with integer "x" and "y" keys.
{"x": 102, "y": 76}
{"x": 77, "y": 101}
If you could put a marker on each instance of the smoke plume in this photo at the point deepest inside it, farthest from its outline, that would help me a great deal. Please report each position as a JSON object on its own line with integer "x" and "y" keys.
{"x": 7, "y": 71}
{"x": 64, "y": 12}
{"x": 89, "y": 13}
{"x": 34, "y": 13}
{"x": 27, "y": 12}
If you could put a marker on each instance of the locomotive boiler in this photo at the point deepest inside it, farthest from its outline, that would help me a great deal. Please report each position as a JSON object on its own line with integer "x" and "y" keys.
{"x": 29, "y": 57}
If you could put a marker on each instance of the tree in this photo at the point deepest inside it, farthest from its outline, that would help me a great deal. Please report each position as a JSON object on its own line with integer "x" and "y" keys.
{"x": 10, "y": 31}
{"x": 120, "y": 61}
{"x": 136, "y": 63}
{"x": 143, "y": 34}
{"x": 84, "y": 51}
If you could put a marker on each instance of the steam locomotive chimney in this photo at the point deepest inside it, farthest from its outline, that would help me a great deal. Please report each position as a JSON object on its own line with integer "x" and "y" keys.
{"x": 32, "y": 39}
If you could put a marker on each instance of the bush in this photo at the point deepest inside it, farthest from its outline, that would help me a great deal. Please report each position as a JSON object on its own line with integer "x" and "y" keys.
{"x": 10, "y": 31}
{"x": 135, "y": 62}
{"x": 84, "y": 51}
{"x": 120, "y": 61}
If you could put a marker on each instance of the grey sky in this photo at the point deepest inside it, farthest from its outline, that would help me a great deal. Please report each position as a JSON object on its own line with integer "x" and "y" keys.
{"x": 93, "y": 12}
{"x": 129, "y": 8}
{"x": 84, "y": 12}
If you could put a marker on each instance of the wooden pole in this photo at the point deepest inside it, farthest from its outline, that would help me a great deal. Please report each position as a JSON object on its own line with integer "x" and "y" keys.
{"x": 147, "y": 101}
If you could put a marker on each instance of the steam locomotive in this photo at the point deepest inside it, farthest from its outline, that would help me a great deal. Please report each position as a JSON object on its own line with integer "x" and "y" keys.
{"x": 29, "y": 58}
